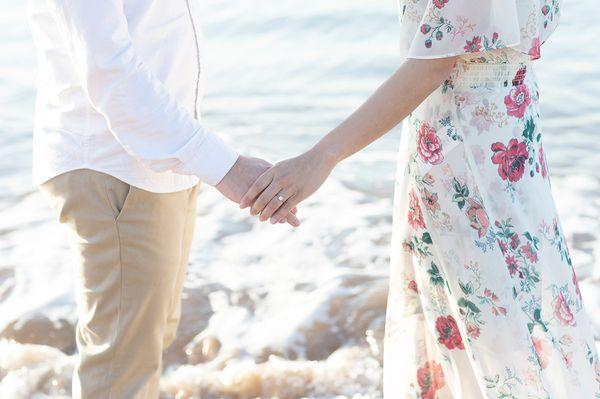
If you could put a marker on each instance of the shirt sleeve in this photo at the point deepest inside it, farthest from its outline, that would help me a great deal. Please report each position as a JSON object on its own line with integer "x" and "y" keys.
{"x": 141, "y": 113}
{"x": 458, "y": 27}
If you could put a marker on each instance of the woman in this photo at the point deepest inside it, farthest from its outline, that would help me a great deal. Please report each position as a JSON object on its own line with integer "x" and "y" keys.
{"x": 483, "y": 301}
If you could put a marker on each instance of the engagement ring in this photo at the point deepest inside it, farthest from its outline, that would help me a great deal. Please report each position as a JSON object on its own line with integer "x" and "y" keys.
{"x": 280, "y": 198}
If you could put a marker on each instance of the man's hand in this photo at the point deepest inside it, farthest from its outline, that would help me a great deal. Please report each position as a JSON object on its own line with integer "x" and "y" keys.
{"x": 241, "y": 176}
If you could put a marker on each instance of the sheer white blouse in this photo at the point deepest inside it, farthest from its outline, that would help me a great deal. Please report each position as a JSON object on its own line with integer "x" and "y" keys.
{"x": 443, "y": 28}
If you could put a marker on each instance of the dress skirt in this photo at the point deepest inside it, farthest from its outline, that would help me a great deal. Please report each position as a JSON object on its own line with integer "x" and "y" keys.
{"x": 483, "y": 301}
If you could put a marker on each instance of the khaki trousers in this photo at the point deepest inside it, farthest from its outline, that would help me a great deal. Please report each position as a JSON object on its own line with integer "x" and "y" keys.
{"x": 132, "y": 248}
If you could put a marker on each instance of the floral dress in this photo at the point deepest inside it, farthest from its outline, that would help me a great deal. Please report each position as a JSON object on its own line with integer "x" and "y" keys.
{"x": 484, "y": 301}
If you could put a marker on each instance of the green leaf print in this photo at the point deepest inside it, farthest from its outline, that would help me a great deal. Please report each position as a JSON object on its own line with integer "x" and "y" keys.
{"x": 465, "y": 303}
{"x": 461, "y": 193}
{"x": 426, "y": 238}
{"x": 466, "y": 288}
{"x": 529, "y": 129}
{"x": 434, "y": 275}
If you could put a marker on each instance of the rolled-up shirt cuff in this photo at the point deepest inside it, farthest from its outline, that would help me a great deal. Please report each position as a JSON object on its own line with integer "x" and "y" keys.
{"x": 209, "y": 158}
{"x": 212, "y": 160}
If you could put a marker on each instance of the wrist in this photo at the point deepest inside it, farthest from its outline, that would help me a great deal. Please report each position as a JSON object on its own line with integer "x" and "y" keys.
{"x": 324, "y": 156}
{"x": 233, "y": 170}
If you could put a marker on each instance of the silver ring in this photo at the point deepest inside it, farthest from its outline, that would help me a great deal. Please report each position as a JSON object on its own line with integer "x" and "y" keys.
{"x": 280, "y": 198}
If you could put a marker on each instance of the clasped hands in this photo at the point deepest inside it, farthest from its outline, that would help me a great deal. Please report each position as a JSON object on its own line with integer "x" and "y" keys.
{"x": 273, "y": 192}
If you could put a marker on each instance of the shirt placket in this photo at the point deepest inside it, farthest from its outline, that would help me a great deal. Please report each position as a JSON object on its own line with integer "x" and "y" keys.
{"x": 198, "y": 64}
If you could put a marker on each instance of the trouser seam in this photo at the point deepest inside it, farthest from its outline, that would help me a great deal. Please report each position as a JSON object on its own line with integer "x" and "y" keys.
{"x": 113, "y": 343}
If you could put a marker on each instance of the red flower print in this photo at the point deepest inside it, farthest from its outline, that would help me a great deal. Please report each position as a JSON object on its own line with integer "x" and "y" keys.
{"x": 474, "y": 45}
{"x": 478, "y": 217}
{"x": 415, "y": 215}
{"x": 543, "y": 350}
{"x": 513, "y": 266}
{"x": 517, "y": 101}
{"x": 534, "y": 52}
{"x": 429, "y": 145}
{"x": 448, "y": 333}
{"x": 510, "y": 160}
{"x": 562, "y": 311}
{"x": 520, "y": 76}
{"x": 430, "y": 378}
{"x": 440, "y": 3}
{"x": 431, "y": 201}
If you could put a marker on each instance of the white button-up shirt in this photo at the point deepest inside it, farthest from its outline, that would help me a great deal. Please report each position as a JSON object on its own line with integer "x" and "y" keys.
{"x": 119, "y": 87}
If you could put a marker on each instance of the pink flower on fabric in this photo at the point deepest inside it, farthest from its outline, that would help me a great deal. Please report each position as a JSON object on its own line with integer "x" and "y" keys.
{"x": 515, "y": 241}
{"x": 567, "y": 358}
{"x": 503, "y": 247}
{"x": 478, "y": 217}
{"x": 473, "y": 45}
{"x": 412, "y": 285}
{"x": 529, "y": 252}
{"x": 517, "y": 101}
{"x": 511, "y": 263}
{"x": 415, "y": 215}
{"x": 428, "y": 179}
{"x": 440, "y": 3}
{"x": 542, "y": 162}
{"x": 576, "y": 283}
{"x": 496, "y": 310}
{"x": 431, "y": 201}
{"x": 429, "y": 145}
{"x": 562, "y": 311}
{"x": 543, "y": 350}
{"x": 536, "y": 45}
{"x": 510, "y": 159}
{"x": 473, "y": 331}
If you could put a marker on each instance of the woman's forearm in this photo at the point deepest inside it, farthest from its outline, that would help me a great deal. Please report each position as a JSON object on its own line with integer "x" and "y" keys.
{"x": 394, "y": 100}
{"x": 281, "y": 188}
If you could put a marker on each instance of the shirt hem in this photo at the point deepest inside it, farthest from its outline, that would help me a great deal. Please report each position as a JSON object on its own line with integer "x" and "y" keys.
{"x": 143, "y": 184}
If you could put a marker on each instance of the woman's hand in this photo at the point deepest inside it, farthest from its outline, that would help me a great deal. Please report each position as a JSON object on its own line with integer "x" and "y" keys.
{"x": 280, "y": 188}
{"x": 240, "y": 178}
{"x": 277, "y": 191}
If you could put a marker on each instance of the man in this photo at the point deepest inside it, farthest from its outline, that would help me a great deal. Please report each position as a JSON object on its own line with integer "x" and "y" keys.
{"x": 119, "y": 151}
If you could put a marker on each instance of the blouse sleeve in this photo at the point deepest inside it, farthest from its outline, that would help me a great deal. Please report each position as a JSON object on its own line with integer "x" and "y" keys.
{"x": 457, "y": 27}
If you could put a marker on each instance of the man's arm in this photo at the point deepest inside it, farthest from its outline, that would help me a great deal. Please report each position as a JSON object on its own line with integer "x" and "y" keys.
{"x": 141, "y": 113}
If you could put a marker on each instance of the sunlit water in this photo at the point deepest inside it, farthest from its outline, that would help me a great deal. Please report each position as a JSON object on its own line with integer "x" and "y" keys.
{"x": 270, "y": 312}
